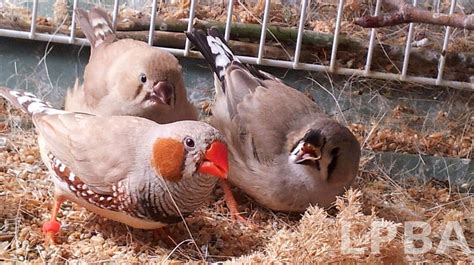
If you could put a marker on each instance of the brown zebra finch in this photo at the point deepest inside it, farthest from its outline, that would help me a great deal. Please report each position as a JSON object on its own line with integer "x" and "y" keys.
{"x": 128, "y": 77}
{"x": 128, "y": 169}
{"x": 284, "y": 151}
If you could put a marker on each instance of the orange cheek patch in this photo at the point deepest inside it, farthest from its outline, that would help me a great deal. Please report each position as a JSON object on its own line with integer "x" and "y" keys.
{"x": 168, "y": 158}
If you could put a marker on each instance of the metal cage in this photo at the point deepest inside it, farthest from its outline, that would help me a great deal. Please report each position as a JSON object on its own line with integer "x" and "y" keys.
{"x": 292, "y": 64}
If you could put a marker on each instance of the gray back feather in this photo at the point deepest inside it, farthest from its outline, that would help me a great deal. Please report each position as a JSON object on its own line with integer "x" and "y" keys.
{"x": 251, "y": 97}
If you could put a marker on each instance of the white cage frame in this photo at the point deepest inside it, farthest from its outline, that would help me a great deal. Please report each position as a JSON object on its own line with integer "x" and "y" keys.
{"x": 293, "y": 64}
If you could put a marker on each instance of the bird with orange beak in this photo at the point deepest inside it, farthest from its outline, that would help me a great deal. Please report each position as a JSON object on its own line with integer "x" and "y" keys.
{"x": 128, "y": 169}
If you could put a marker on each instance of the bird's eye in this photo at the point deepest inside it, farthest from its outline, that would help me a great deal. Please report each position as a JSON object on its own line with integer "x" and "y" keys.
{"x": 189, "y": 142}
{"x": 143, "y": 78}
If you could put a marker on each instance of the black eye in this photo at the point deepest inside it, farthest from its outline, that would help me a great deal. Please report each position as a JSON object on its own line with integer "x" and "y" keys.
{"x": 189, "y": 142}
{"x": 143, "y": 78}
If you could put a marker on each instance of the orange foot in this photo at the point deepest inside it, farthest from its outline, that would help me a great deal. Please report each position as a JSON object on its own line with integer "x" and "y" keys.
{"x": 231, "y": 202}
{"x": 51, "y": 229}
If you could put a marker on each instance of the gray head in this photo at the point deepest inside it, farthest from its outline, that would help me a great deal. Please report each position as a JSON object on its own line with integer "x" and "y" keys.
{"x": 327, "y": 149}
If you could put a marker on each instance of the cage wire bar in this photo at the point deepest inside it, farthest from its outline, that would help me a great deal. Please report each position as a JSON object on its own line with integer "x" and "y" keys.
{"x": 442, "y": 60}
{"x": 192, "y": 11}
{"x": 408, "y": 48}
{"x": 299, "y": 37}
{"x": 228, "y": 21}
{"x": 292, "y": 64}
{"x": 115, "y": 13}
{"x": 373, "y": 31}
{"x": 151, "y": 31}
{"x": 332, "y": 63}
{"x": 72, "y": 36}
{"x": 34, "y": 11}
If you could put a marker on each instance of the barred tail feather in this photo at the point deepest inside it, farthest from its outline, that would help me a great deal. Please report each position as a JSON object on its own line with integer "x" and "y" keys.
{"x": 27, "y": 102}
{"x": 214, "y": 48}
{"x": 96, "y": 25}
{"x": 219, "y": 56}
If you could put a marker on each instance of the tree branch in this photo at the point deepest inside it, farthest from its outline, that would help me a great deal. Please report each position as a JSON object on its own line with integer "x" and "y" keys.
{"x": 407, "y": 13}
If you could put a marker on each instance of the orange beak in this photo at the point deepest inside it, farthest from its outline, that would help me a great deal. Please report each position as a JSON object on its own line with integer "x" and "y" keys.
{"x": 215, "y": 161}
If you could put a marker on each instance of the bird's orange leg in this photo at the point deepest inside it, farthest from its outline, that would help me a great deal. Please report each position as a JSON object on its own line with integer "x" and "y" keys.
{"x": 51, "y": 228}
{"x": 231, "y": 202}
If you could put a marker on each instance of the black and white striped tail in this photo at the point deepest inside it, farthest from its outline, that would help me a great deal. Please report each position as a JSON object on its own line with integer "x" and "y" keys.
{"x": 214, "y": 48}
{"x": 96, "y": 25}
{"x": 28, "y": 102}
{"x": 218, "y": 54}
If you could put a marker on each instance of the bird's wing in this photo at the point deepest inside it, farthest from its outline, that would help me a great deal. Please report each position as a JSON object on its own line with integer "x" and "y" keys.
{"x": 99, "y": 150}
{"x": 264, "y": 109}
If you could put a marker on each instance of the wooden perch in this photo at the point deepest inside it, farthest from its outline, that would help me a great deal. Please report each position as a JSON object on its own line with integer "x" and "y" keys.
{"x": 167, "y": 39}
{"x": 178, "y": 40}
{"x": 407, "y": 13}
{"x": 240, "y": 31}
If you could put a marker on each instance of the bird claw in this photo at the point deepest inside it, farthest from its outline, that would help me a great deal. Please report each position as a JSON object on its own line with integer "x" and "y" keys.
{"x": 236, "y": 217}
{"x": 50, "y": 239}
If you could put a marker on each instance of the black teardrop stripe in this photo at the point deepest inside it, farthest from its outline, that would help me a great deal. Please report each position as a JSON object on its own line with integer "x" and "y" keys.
{"x": 153, "y": 212}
